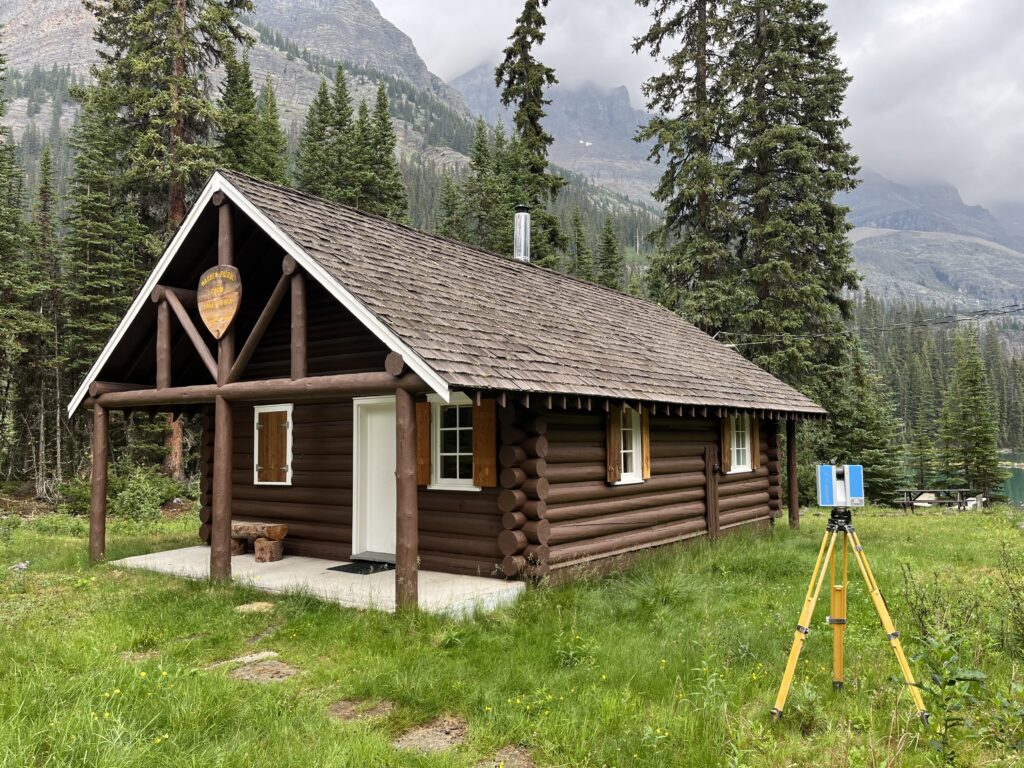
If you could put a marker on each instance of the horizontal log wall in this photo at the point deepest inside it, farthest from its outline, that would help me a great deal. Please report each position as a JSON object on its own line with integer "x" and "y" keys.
{"x": 590, "y": 519}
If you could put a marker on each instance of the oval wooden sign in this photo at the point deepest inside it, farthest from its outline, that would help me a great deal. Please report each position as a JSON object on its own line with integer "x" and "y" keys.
{"x": 219, "y": 297}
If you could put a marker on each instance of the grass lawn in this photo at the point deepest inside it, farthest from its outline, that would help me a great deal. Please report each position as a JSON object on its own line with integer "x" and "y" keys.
{"x": 674, "y": 663}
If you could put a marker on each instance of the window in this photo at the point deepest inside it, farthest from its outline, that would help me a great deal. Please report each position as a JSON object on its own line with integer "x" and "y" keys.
{"x": 631, "y": 448}
{"x": 452, "y": 443}
{"x": 739, "y": 443}
{"x": 272, "y": 445}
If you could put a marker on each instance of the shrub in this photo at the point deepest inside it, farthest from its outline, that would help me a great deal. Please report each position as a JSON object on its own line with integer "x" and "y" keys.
{"x": 134, "y": 491}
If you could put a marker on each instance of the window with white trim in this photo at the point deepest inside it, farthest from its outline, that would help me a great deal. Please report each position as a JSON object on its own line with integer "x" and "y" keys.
{"x": 631, "y": 449}
{"x": 739, "y": 443}
{"x": 272, "y": 444}
{"x": 452, "y": 443}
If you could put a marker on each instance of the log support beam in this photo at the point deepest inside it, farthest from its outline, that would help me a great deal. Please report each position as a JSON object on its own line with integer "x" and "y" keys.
{"x": 406, "y": 504}
{"x": 256, "y": 334}
{"x": 220, "y": 535}
{"x": 299, "y": 354}
{"x": 792, "y": 480}
{"x": 98, "y": 487}
{"x": 163, "y": 345}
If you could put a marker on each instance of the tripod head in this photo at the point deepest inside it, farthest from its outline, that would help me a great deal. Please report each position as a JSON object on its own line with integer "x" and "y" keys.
{"x": 841, "y": 519}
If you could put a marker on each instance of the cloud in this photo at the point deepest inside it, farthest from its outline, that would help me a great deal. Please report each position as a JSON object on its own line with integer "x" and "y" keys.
{"x": 937, "y": 90}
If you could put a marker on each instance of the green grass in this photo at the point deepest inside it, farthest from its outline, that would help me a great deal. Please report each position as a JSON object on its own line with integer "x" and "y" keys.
{"x": 674, "y": 663}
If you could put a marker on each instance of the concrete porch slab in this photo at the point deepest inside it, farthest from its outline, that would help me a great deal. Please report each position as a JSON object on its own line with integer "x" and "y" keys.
{"x": 445, "y": 593}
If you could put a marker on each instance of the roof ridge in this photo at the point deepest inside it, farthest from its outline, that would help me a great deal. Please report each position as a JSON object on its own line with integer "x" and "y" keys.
{"x": 554, "y": 273}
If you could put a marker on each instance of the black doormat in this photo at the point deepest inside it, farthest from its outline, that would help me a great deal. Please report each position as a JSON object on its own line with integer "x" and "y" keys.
{"x": 363, "y": 568}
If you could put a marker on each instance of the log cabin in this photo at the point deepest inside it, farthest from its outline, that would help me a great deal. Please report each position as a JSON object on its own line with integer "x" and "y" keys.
{"x": 391, "y": 395}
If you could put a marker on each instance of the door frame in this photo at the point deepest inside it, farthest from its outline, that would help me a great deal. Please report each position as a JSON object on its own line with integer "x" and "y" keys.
{"x": 358, "y": 530}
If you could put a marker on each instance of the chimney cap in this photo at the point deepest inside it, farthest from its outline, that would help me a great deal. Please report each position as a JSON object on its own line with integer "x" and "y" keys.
{"x": 522, "y": 208}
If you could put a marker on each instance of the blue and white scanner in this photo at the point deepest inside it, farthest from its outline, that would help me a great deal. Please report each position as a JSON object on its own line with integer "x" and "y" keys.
{"x": 840, "y": 486}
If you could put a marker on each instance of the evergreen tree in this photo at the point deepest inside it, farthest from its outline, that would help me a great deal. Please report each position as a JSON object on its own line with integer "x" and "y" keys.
{"x": 451, "y": 217}
{"x": 156, "y": 56}
{"x": 970, "y": 427}
{"x": 611, "y": 267}
{"x": 696, "y": 273}
{"x": 314, "y": 161}
{"x": 864, "y": 430}
{"x": 19, "y": 320}
{"x": 270, "y": 149}
{"x": 238, "y": 115}
{"x": 791, "y": 160}
{"x": 522, "y": 80}
{"x": 581, "y": 260}
{"x": 387, "y": 193}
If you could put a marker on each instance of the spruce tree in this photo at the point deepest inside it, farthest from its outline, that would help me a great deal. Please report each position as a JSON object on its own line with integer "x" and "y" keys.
{"x": 451, "y": 219}
{"x": 696, "y": 273}
{"x": 523, "y": 80}
{"x": 314, "y": 161}
{"x": 387, "y": 196}
{"x": 791, "y": 160}
{"x": 238, "y": 115}
{"x": 864, "y": 430}
{"x": 970, "y": 427}
{"x": 156, "y": 56}
{"x": 270, "y": 149}
{"x": 611, "y": 267}
{"x": 581, "y": 260}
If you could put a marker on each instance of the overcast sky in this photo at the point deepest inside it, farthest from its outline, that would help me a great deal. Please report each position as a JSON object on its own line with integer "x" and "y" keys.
{"x": 938, "y": 89}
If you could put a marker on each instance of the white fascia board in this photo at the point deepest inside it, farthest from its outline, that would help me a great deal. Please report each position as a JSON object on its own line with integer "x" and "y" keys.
{"x": 373, "y": 323}
{"x": 144, "y": 294}
{"x": 220, "y": 184}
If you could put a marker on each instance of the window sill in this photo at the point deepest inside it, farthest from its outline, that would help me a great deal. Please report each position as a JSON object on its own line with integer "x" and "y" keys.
{"x": 629, "y": 481}
{"x": 452, "y": 487}
{"x": 286, "y": 483}
{"x": 740, "y": 471}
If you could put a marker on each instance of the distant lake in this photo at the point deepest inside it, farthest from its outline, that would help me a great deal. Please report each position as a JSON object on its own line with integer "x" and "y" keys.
{"x": 1014, "y": 486}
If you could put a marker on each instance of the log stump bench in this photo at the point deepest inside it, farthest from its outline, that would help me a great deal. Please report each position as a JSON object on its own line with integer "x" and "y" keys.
{"x": 268, "y": 539}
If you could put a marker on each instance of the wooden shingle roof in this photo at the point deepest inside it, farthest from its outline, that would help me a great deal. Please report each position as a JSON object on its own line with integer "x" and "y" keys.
{"x": 482, "y": 321}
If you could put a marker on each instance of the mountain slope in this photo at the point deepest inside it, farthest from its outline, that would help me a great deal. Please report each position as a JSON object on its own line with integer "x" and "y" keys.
{"x": 593, "y": 128}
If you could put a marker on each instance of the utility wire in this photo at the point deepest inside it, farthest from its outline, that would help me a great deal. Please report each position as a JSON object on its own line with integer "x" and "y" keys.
{"x": 954, "y": 319}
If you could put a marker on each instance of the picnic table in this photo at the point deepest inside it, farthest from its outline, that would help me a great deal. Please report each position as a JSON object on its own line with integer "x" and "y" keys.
{"x": 944, "y": 497}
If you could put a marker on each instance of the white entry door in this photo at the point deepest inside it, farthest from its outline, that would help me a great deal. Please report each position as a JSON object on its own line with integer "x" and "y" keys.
{"x": 373, "y": 479}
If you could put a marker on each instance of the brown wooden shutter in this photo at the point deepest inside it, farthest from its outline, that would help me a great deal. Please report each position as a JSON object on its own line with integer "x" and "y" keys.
{"x": 272, "y": 447}
{"x": 422, "y": 443}
{"x": 726, "y": 458}
{"x": 755, "y": 443}
{"x": 613, "y": 443}
{"x": 485, "y": 445}
{"x": 645, "y": 442}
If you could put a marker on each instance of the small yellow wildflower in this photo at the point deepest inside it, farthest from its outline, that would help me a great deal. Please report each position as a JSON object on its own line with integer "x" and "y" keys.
{"x": 142, "y": 674}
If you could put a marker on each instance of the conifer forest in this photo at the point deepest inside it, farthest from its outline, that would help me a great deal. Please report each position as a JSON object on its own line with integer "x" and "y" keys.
{"x": 749, "y": 241}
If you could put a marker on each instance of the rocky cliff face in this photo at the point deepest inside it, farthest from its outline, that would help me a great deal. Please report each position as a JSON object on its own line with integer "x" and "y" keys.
{"x": 355, "y": 31}
{"x": 593, "y": 129}
{"x": 48, "y": 32}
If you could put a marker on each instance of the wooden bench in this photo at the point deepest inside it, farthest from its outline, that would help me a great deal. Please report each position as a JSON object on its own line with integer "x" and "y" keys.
{"x": 268, "y": 539}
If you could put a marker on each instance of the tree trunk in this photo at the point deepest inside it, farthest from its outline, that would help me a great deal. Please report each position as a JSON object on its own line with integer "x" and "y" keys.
{"x": 174, "y": 460}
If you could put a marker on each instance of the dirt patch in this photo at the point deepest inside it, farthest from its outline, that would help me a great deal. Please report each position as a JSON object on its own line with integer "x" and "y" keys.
{"x": 21, "y": 502}
{"x": 137, "y": 656}
{"x": 509, "y": 757}
{"x": 178, "y": 507}
{"x": 263, "y": 634}
{"x": 264, "y": 672}
{"x": 258, "y": 607}
{"x": 441, "y": 734}
{"x": 249, "y": 658}
{"x": 352, "y": 709}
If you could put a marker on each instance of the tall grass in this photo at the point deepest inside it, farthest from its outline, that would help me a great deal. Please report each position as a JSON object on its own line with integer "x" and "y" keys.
{"x": 672, "y": 663}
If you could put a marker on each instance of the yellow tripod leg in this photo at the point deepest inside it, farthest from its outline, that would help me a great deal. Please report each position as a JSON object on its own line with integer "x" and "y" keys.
{"x": 888, "y": 626}
{"x": 825, "y": 553}
{"x": 837, "y": 616}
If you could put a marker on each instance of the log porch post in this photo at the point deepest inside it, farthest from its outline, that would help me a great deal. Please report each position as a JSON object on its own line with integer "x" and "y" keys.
{"x": 220, "y": 533}
{"x": 792, "y": 481}
{"x": 98, "y": 487}
{"x": 406, "y": 505}
{"x": 299, "y": 356}
{"x": 163, "y": 345}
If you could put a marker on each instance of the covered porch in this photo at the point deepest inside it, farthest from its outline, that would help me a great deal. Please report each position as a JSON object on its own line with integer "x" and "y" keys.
{"x": 443, "y": 593}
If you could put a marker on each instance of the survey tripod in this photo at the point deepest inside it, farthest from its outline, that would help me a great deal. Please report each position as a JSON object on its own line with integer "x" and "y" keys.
{"x": 841, "y": 540}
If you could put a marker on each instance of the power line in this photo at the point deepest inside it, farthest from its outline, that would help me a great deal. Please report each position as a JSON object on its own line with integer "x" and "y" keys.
{"x": 954, "y": 319}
